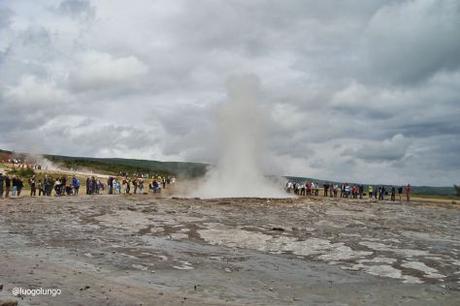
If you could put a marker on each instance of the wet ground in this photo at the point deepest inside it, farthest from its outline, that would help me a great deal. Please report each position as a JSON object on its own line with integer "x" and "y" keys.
{"x": 142, "y": 250}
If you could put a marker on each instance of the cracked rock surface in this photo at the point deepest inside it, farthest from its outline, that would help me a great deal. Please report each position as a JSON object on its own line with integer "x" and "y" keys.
{"x": 117, "y": 250}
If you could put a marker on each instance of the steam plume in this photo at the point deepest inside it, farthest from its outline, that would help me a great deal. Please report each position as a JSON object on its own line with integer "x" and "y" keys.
{"x": 241, "y": 126}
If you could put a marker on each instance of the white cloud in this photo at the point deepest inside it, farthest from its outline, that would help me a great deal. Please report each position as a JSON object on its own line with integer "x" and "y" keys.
{"x": 33, "y": 93}
{"x": 393, "y": 149}
{"x": 100, "y": 71}
{"x": 409, "y": 41}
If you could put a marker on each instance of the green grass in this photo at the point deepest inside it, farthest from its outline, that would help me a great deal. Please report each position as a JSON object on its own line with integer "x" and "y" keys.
{"x": 437, "y": 196}
{"x": 21, "y": 172}
{"x": 113, "y": 166}
{"x": 116, "y": 165}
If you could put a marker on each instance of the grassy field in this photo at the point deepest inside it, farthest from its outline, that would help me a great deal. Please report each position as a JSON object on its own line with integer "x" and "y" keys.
{"x": 437, "y": 197}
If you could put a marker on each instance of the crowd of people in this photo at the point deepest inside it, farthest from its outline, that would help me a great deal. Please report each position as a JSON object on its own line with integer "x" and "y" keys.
{"x": 13, "y": 185}
{"x": 353, "y": 191}
{"x": 63, "y": 186}
{"x": 17, "y": 163}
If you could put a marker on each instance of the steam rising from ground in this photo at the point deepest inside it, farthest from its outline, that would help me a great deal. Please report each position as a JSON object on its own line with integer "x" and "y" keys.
{"x": 241, "y": 126}
{"x": 45, "y": 163}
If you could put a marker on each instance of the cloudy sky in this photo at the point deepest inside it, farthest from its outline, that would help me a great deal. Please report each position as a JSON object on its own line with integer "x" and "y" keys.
{"x": 365, "y": 91}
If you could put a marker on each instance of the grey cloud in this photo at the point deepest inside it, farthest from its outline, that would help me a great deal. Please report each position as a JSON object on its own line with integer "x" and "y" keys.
{"x": 440, "y": 126}
{"x": 77, "y": 8}
{"x": 187, "y": 131}
{"x": 287, "y": 146}
{"x": 95, "y": 71}
{"x": 26, "y": 53}
{"x": 393, "y": 149}
{"x": 30, "y": 104}
{"x": 410, "y": 41}
{"x": 339, "y": 80}
{"x": 5, "y": 17}
{"x": 78, "y": 136}
{"x": 186, "y": 119}
{"x": 112, "y": 137}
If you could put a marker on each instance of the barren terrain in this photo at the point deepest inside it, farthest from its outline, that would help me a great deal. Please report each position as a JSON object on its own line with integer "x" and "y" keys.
{"x": 145, "y": 250}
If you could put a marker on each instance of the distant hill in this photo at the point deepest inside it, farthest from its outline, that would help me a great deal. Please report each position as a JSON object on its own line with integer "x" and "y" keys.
{"x": 116, "y": 165}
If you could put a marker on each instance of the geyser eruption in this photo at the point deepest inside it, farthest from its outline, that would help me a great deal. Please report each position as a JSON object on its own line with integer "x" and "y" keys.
{"x": 241, "y": 133}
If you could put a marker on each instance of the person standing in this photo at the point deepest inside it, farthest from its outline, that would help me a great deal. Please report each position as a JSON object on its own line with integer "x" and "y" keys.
{"x": 400, "y": 191}
{"x": 393, "y": 193}
{"x": 20, "y": 186}
{"x": 14, "y": 183}
{"x": 309, "y": 188}
{"x": 118, "y": 187}
{"x": 382, "y": 193}
{"x": 57, "y": 187}
{"x": 1, "y": 184}
{"x": 33, "y": 186}
{"x": 93, "y": 185}
{"x": 94, "y": 188}
{"x": 75, "y": 185}
{"x": 110, "y": 184}
{"x": 7, "y": 186}
{"x": 135, "y": 185}
{"x": 47, "y": 185}
{"x": 127, "y": 184}
{"x": 63, "y": 185}
{"x": 408, "y": 190}
{"x": 77, "y": 190}
{"x": 141, "y": 185}
{"x": 40, "y": 188}
{"x": 88, "y": 182}
{"x": 115, "y": 185}
{"x": 156, "y": 186}
{"x": 347, "y": 190}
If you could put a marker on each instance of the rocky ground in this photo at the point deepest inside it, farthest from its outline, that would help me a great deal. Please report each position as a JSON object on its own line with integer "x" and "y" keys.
{"x": 143, "y": 250}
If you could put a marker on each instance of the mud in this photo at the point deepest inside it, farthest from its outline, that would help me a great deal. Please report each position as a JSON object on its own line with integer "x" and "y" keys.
{"x": 141, "y": 250}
